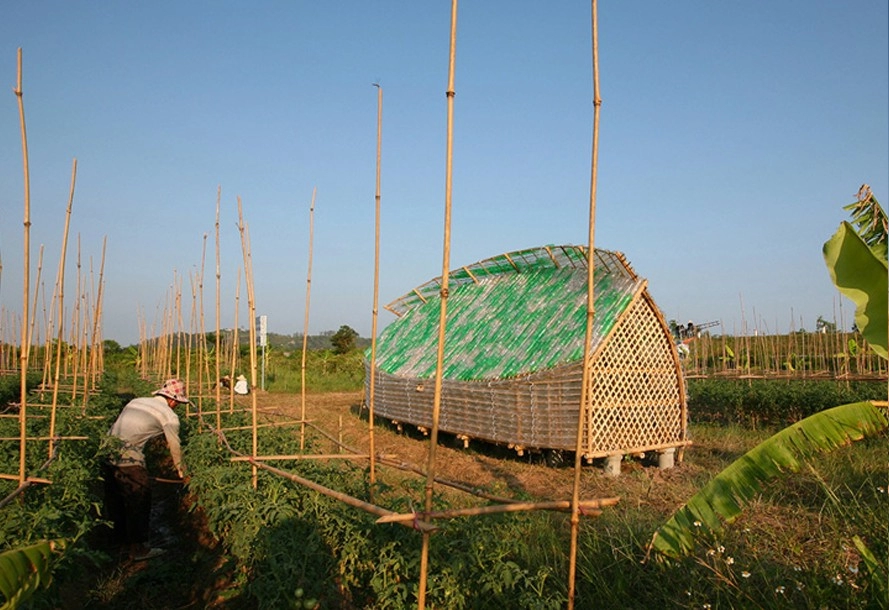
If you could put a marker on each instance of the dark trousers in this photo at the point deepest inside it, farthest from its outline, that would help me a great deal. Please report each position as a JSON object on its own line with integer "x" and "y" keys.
{"x": 128, "y": 502}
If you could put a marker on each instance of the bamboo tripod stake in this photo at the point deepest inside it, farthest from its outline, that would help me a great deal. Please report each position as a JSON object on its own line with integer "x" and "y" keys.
{"x": 24, "y": 354}
{"x": 302, "y": 427}
{"x": 584, "y": 391}
{"x": 376, "y": 302}
{"x": 439, "y": 365}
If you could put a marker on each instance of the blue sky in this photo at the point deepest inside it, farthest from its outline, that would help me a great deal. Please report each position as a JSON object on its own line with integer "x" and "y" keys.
{"x": 731, "y": 136}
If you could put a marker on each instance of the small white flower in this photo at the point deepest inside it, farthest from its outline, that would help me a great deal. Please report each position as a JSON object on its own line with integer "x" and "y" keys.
{"x": 688, "y": 593}
{"x": 745, "y": 574}
{"x": 697, "y": 524}
{"x": 779, "y": 590}
{"x": 853, "y": 569}
{"x": 721, "y": 549}
{"x": 730, "y": 560}
{"x": 797, "y": 569}
{"x": 837, "y": 580}
{"x": 710, "y": 552}
{"x": 882, "y": 490}
{"x": 707, "y": 606}
{"x": 746, "y": 530}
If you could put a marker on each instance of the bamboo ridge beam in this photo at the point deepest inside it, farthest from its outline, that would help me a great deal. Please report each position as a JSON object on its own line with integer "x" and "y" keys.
{"x": 589, "y": 508}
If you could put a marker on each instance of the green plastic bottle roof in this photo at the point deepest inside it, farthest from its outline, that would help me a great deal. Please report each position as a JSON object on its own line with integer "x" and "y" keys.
{"x": 508, "y": 315}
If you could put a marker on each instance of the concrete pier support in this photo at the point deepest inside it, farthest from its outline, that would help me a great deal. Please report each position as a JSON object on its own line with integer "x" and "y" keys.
{"x": 666, "y": 458}
{"x": 612, "y": 465}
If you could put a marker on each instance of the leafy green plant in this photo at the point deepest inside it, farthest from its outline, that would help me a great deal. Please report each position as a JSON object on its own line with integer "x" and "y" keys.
{"x": 23, "y": 571}
{"x": 856, "y": 258}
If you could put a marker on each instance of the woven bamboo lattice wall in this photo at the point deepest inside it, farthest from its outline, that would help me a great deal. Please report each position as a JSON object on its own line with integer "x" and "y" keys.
{"x": 513, "y": 356}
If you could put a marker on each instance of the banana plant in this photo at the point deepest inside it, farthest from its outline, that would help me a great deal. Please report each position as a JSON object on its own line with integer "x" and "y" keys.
{"x": 856, "y": 260}
{"x": 23, "y": 571}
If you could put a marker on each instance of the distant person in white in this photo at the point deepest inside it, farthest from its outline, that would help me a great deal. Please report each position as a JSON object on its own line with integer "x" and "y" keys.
{"x": 127, "y": 485}
{"x": 241, "y": 386}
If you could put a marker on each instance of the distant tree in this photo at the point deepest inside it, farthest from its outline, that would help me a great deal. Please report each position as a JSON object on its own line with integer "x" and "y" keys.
{"x": 111, "y": 346}
{"x": 343, "y": 340}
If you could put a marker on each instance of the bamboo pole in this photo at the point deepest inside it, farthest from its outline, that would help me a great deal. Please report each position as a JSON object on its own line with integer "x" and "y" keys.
{"x": 251, "y": 307}
{"x": 376, "y": 297}
{"x": 442, "y": 320}
{"x": 33, "y": 316}
{"x": 218, "y": 277}
{"x": 589, "y": 508}
{"x": 302, "y": 428}
{"x": 75, "y": 325}
{"x": 591, "y": 249}
{"x": 302, "y": 456}
{"x": 95, "y": 339}
{"x": 202, "y": 342}
{"x": 235, "y": 349}
{"x": 26, "y": 274}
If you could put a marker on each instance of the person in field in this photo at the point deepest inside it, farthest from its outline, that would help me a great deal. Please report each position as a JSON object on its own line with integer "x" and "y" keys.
{"x": 127, "y": 484}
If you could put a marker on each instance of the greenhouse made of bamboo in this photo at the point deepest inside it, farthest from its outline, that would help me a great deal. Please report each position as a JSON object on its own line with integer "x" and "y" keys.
{"x": 513, "y": 357}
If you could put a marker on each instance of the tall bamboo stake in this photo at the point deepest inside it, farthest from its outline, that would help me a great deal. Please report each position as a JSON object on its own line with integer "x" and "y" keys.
{"x": 445, "y": 266}
{"x": 376, "y": 301}
{"x": 33, "y": 318}
{"x": 591, "y": 308}
{"x": 23, "y": 373}
{"x": 218, "y": 276}
{"x": 75, "y": 324}
{"x": 235, "y": 346}
{"x": 251, "y": 306}
{"x": 202, "y": 342}
{"x": 95, "y": 339}
{"x": 302, "y": 426}
{"x": 60, "y": 281}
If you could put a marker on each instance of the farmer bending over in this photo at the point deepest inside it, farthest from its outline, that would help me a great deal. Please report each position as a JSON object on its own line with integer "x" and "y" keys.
{"x": 127, "y": 487}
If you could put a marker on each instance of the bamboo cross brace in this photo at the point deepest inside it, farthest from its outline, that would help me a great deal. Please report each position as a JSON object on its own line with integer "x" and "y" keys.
{"x": 587, "y": 507}
{"x": 345, "y": 498}
{"x": 304, "y": 456}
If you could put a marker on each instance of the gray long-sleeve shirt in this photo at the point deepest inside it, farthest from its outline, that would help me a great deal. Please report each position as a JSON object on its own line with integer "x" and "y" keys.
{"x": 141, "y": 420}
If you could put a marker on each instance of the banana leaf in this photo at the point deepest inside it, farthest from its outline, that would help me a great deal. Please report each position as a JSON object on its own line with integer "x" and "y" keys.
{"x": 725, "y": 496}
{"x": 23, "y": 571}
{"x": 861, "y": 275}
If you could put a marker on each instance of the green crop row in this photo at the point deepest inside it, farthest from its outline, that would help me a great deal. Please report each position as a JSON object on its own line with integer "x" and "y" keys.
{"x": 772, "y": 402}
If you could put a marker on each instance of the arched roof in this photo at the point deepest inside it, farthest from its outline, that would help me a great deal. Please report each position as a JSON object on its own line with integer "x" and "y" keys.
{"x": 508, "y": 315}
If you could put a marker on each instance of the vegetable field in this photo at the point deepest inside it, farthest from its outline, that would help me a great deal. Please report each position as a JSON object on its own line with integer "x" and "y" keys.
{"x": 284, "y": 545}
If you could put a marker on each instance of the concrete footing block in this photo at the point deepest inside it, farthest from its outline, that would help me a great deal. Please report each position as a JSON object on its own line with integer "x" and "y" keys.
{"x": 612, "y": 465}
{"x": 666, "y": 458}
